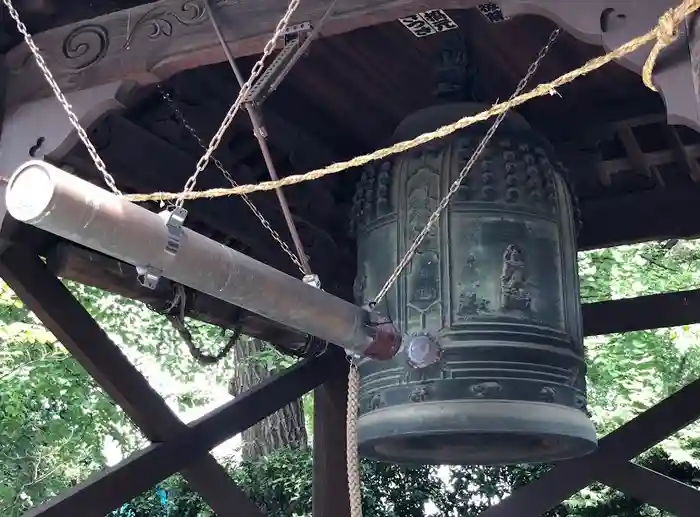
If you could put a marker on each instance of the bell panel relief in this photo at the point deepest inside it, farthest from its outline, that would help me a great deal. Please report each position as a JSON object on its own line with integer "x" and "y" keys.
{"x": 376, "y": 261}
{"x": 505, "y": 267}
{"x": 423, "y": 272}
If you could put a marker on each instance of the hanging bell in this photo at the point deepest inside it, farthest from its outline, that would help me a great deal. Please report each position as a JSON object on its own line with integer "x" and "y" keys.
{"x": 491, "y": 369}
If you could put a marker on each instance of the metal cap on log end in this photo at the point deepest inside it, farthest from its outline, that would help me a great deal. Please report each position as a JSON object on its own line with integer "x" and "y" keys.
{"x": 36, "y": 181}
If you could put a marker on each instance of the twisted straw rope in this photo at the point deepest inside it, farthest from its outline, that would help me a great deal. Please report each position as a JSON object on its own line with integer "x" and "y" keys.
{"x": 665, "y": 33}
{"x": 353, "y": 458}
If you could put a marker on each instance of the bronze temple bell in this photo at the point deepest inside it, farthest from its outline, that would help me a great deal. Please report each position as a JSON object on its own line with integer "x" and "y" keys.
{"x": 491, "y": 369}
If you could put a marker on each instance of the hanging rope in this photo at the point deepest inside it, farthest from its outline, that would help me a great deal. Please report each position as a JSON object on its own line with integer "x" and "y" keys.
{"x": 353, "y": 458}
{"x": 665, "y": 33}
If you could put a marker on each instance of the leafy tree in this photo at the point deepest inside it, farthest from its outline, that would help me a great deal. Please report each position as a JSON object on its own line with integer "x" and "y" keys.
{"x": 53, "y": 418}
{"x": 255, "y": 362}
{"x": 281, "y": 485}
{"x": 628, "y": 373}
{"x": 54, "y": 421}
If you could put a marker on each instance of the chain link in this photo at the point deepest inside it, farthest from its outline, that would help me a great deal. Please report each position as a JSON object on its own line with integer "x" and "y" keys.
{"x": 181, "y": 117}
{"x": 242, "y": 94}
{"x": 463, "y": 174}
{"x": 351, "y": 438}
{"x": 215, "y": 141}
{"x": 41, "y": 63}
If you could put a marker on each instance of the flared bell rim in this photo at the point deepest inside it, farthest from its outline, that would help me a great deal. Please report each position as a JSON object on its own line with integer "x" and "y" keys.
{"x": 476, "y": 433}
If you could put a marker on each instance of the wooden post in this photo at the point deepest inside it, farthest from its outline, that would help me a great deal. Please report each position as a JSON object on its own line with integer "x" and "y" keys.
{"x": 330, "y": 490}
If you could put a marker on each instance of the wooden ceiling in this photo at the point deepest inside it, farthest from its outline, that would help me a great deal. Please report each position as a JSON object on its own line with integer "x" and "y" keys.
{"x": 348, "y": 94}
{"x": 42, "y": 15}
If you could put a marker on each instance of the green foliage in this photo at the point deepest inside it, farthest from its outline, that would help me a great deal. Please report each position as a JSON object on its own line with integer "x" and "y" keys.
{"x": 148, "y": 338}
{"x": 398, "y": 491}
{"x": 54, "y": 421}
{"x": 53, "y": 418}
{"x": 628, "y": 373}
{"x": 601, "y": 501}
{"x": 281, "y": 486}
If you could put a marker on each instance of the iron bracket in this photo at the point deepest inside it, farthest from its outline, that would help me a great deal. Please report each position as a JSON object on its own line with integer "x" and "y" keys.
{"x": 270, "y": 79}
{"x": 150, "y": 275}
{"x": 312, "y": 280}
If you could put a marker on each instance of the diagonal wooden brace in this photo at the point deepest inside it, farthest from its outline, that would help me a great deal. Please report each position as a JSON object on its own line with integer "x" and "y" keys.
{"x": 651, "y": 487}
{"x": 65, "y": 317}
{"x": 614, "y": 450}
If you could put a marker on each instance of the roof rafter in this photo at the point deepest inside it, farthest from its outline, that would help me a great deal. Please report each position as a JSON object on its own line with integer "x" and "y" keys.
{"x": 154, "y": 41}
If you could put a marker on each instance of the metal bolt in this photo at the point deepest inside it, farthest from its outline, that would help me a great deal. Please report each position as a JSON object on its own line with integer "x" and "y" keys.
{"x": 422, "y": 351}
{"x": 312, "y": 280}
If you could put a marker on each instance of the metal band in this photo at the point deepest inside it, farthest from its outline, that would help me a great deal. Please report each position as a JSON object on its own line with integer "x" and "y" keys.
{"x": 149, "y": 275}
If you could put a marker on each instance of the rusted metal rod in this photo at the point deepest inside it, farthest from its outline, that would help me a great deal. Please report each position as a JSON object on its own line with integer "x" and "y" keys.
{"x": 53, "y": 200}
{"x": 261, "y": 135}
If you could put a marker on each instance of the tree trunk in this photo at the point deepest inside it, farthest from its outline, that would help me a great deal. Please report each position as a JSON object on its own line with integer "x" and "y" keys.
{"x": 285, "y": 428}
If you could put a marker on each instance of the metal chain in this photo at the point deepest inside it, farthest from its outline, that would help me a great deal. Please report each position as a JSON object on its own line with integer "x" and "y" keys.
{"x": 216, "y": 140}
{"x": 257, "y": 69}
{"x": 75, "y": 122}
{"x": 463, "y": 174}
{"x": 177, "y": 319}
{"x": 181, "y": 117}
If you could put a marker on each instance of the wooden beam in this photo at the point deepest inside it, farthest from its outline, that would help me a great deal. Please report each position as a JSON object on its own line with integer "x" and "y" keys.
{"x": 601, "y": 123}
{"x": 112, "y": 487}
{"x": 643, "y": 216}
{"x": 683, "y": 156}
{"x": 636, "y": 155}
{"x": 66, "y": 318}
{"x": 41, "y": 130}
{"x": 88, "y": 267}
{"x": 622, "y": 445}
{"x": 663, "y": 492}
{"x": 157, "y": 40}
{"x": 642, "y": 313}
{"x": 653, "y": 159}
{"x": 154, "y": 41}
{"x": 330, "y": 477}
{"x": 179, "y": 446}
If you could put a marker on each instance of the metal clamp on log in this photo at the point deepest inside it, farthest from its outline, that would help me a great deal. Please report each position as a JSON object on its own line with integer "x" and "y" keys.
{"x": 294, "y": 44}
{"x": 150, "y": 275}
